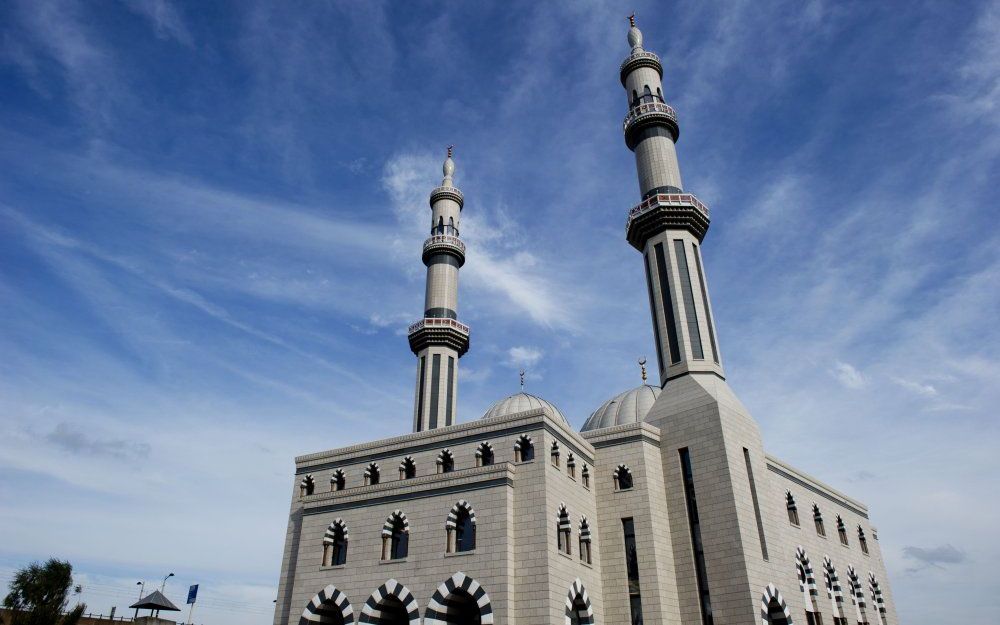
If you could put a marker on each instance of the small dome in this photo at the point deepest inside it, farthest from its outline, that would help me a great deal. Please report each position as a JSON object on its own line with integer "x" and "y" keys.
{"x": 628, "y": 407}
{"x": 521, "y": 402}
{"x": 635, "y": 38}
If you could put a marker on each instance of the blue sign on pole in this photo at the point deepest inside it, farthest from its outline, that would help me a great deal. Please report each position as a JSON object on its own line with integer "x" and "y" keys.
{"x": 192, "y": 593}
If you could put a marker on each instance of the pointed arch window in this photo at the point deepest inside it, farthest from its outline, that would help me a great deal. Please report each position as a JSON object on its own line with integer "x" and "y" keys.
{"x": 307, "y": 486}
{"x": 647, "y": 95}
{"x": 335, "y": 544}
{"x": 524, "y": 450}
{"x": 793, "y": 510}
{"x": 635, "y": 98}
{"x": 554, "y": 454}
{"x": 818, "y": 521}
{"x": 461, "y": 528}
{"x": 445, "y": 461}
{"x": 372, "y": 474}
{"x": 862, "y": 540}
{"x": 585, "y": 554}
{"x": 564, "y": 530}
{"x": 395, "y": 536}
{"x": 571, "y": 465}
{"x": 622, "y": 477}
{"x": 877, "y": 600}
{"x": 585, "y": 476}
{"x": 841, "y": 531}
{"x": 484, "y": 455}
{"x": 659, "y": 94}
{"x": 338, "y": 481}
{"x": 407, "y": 469}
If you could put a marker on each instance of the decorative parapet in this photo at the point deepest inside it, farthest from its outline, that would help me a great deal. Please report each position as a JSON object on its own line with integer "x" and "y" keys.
{"x": 649, "y": 114}
{"x": 448, "y": 193}
{"x": 444, "y": 244}
{"x": 663, "y": 211}
{"x": 639, "y": 59}
{"x": 439, "y": 331}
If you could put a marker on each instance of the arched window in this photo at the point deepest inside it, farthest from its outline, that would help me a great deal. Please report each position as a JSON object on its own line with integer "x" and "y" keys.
{"x": 307, "y": 486}
{"x": 484, "y": 455}
{"x": 807, "y": 585}
{"x": 635, "y": 98}
{"x": 773, "y": 609}
{"x": 585, "y": 540}
{"x": 564, "y": 530}
{"x": 524, "y": 451}
{"x": 841, "y": 530}
{"x": 834, "y": 592}
{"x": 622, "y": 477}
{"x": 793, "y": 510}
{"x": 818, "y": 520}
{"x": 585, "y": 476}
{"x": 862, "y": 540}
{"x": 857, "y": 595}
{"x": 445, "y": 461}
{"x": 877, "y": 601}
{"x": 461, "y": 528}
{"x": 659, "y": 94}
{"x": 407, "y": 469}
{"x": 554, "y": 454}
{"x": 647, "y": 95}
{"x": 337, "y": 480}
{"x": 395, "y": 536}
{"x": 451, "y": 226}
{"x": 335, "y": 544}
{"x": 440, "y": 226}
{"x": 372, "y": 474}
{"x": 571, "y": 465}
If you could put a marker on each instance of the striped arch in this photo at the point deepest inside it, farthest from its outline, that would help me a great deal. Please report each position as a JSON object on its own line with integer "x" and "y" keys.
{"x": 584, "y": 529}
{"x": 807, "y": 581}
{"x": 437, "y": 609}
{"x": 307, "y": 485}
{"x": 370, "y": 612}
{"x": 396, "y": 514}
{"x": 373, "y": 474}
{"x": 876, "y": 591}
{"x": 772, "y": 593}
{"x": 338, "y": 480}
{"x": 331, "y": 531}
{"x": 484, "y": 449}
{"x": 563, "y": 515}
{"x": 857, "y": 594}
{"x": 524, "y": 439}
{"x": 577, "y": 591}
{"x": 326, "y": 605}
{"x": 452, "y": 520}
{"x": 833, "y": 589}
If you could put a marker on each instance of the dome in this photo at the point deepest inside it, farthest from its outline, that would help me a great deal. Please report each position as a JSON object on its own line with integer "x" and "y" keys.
{"x": 521, "y": 402}
{"x": 628, "y": 407}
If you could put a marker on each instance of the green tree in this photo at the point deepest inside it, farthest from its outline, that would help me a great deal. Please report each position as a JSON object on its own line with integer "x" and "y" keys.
{"x": 39, "y": 594}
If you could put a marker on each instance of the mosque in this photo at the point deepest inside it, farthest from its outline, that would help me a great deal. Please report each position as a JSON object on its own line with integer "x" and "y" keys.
{"x": 664, "y": 508}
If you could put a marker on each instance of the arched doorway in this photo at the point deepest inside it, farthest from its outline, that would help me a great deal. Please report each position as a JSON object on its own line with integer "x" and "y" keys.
{"x": 460, "y": 600}
{"x": 391, "y": 604}
{"x": 391, "y": 612}
{"x": 773, "y": 609}
{"x": 329, "y": 607}
{"x": 461, "y": 609}
{"x": 578, "y": 608}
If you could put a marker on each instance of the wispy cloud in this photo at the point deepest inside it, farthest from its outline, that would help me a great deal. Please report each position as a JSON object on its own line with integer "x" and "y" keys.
{"x": 926, "y": 390}
{"x": 937, "y": 557}
{"x": 848, "y": 375}
{"x": 75, "y": 440}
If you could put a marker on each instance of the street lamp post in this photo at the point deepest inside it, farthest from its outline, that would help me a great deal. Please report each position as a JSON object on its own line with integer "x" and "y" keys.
{"x": 162, "y": 587}
{"x": 142, "y": 587}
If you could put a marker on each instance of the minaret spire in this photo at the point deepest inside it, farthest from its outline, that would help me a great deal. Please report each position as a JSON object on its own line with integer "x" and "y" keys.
{"x": 668, "y": 224}
{"x": 439, "y": 339}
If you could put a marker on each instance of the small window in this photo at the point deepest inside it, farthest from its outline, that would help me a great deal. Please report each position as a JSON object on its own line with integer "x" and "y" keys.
{"x": 524, "y": 451}
{"x": 841, "y": 530}
{"x": 793, "y": 511}
{"x": 554, "y": 454}
{"x": 585, "y": 554}
{"x": 337, "y": 480}
{"x": 647, "y": 95}
{"x": 335, "y": 544}
{"x": 445, "y": 461}
{"x": 372, "y": 474}
{"x": 862, "y": 540}
{"x": 571, "y": 466}
{"x": 484, "y": 455}
{"x": 622, "y": 477}
{"x": 461, "y": 528}
{"x": 635, "y": 98}
{"x": 585, "y": 476}
{"x": 307, "y": 486}
{"x": 564, "y": 530}
{"x": 818, "y": 520}
{"x": 395, "y": 536}
{"x": 407, "y": 469}
{"x": 659, "y": 94}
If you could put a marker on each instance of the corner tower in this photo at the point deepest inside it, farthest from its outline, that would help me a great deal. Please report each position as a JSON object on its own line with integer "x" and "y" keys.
{"x": 668, "y": 224}
{"x": 439, "y": 339}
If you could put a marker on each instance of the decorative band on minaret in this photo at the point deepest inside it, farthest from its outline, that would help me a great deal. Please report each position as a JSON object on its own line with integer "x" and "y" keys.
{"x": 668, "y": 225}
{"x": 439, "y": 339}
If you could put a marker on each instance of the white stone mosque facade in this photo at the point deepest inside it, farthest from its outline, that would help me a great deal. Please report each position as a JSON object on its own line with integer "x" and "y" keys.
{"x": 664, "y": 508}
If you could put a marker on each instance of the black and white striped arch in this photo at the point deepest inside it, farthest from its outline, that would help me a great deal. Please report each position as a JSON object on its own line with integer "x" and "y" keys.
{"x": 773, "y": 594}
{"x": 327, "y": 606}
{"x": 584, "y": 616}
{"x": 460, "y": 505}
{"x": 371, "y": 613}
{"x": 437, "y": 608}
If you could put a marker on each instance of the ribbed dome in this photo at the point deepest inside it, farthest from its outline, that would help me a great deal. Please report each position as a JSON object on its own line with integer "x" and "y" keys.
{"x": 628, "y": 407}
{"x": 521, "y": 402}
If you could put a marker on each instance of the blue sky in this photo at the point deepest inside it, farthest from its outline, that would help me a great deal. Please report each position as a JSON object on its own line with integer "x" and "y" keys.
{"x": 211, "y": 216}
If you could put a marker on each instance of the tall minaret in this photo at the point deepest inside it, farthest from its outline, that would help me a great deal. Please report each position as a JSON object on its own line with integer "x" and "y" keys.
{"x": 668, "y": 225}
{"x": 439, "y": 340}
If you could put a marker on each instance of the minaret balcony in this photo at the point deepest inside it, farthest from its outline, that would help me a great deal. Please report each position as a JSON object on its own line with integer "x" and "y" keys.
{"x": 666, "y": 211}
{"x": 444, "y": 244}
{"x": 448, "y": 193}
{"x": 639, "y": 58}
{"x": 649, "y": 114}
{"x": 439, "y": 331}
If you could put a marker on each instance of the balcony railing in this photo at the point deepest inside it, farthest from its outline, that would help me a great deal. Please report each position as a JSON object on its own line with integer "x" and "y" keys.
{"x": 444, "y": 239}
{"x": 666, "y": 199}
{"x": 438, "y": 322}
{"x": 638, "y": 55}
{"x": 648, "y": 108}
{"x": 454, "y": 190}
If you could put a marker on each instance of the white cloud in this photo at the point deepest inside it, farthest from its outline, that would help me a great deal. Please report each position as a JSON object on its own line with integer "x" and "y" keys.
{"x": 848, "y": 376}
{"x": 919, "y": 388}
{"x": 523, "y": 356}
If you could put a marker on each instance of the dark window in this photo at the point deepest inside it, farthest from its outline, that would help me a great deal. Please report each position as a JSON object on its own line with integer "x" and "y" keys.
{"x": 373, "y": 475}
{"x": 818, "y": 521}
{"x": 659, "y": 94}
{"x": 420, "y": 394}
{"x": 399, "y": 541}
{"x": 435, "y": 388}
{"x": 647, "y": 95}
{"x": 308, "y": 486}
{"x": 862, "y": 540}
{"x": 667, "y": 302}
{"x": 408, "y": 469}
{"x": 793, "y": 511}
{"x": 623, "y": 478}
{"x": 841, "y": 531}
{"x": 485, "y": 455}
{"x": 687, "y": 295}
{"x": 632, "y": 569}
{"x": 446, "y": 461}
{"x": 585, "y": 476}
{"x": 338, "y": 547}
{"x": 694, "y": 524}
{"x": 524, "y": 451}
{"x": 451, "y": 391}
{"x": 635, "y": 98}
{"x": 465, "y": 531}
{"x": 337, "y": 482}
